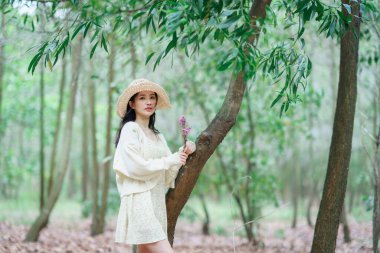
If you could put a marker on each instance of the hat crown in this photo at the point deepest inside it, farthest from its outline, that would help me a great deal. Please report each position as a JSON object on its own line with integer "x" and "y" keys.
{"x": 138, "y": 82}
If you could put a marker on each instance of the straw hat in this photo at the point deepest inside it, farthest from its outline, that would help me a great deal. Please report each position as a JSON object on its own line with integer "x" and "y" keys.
{"x": 140, "y": 85}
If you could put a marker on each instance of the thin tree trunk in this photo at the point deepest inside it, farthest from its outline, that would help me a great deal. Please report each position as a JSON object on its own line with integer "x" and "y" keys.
{"x": 42, "y": 134}
{"x": 107, "y": 162}
{"x": 71, "y": 184}
{"x": 295, "y": 186}
{"x": 346, "y": 228}
{"x": 311, "y": 188}
{"x": 2, "y": 125}
{"x": 85, "y": 142}
{"x": 206, "y": 222}
{"x": 310, "y": 203}
{"x": 376, "y": 185}
{"x": 35, "y": 229}
{"x": 251, "y": 208}
{"x": 95, "y": 164}
{"x": 351, "y": 201}
{"x": 327, "y": 225}
{"x": 57, "y": 126}
{"x": 2, "y": 66}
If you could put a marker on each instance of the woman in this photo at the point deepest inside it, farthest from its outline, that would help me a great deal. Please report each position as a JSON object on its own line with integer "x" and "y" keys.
{"x": 144, "y": 167}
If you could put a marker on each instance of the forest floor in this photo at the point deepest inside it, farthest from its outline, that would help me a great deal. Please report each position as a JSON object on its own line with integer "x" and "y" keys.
{"x": 277, "y": 237}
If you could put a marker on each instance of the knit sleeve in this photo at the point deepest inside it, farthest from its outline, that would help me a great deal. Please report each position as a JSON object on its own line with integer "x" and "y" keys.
{"x": 130, "y": 161}
{"x": 172, "y": 172}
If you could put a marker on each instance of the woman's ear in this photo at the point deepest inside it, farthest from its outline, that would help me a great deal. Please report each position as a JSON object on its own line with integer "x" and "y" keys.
{"x": 131, "y": 104}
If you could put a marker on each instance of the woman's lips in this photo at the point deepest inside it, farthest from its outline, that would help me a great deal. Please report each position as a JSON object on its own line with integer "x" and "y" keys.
{"x": 148, "y": 109}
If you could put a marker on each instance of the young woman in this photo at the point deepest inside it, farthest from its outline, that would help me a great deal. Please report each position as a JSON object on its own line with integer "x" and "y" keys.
{"x": 145, "y": 167}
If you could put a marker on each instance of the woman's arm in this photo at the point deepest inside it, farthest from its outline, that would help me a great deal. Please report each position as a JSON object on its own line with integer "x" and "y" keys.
{"x": 130, "y": 162}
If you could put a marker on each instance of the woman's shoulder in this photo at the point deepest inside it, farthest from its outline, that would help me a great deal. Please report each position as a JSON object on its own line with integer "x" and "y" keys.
{"x": 130, "y": 127}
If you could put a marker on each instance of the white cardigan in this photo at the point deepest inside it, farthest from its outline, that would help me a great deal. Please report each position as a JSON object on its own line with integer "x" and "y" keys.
{"x": 135, "y": 173}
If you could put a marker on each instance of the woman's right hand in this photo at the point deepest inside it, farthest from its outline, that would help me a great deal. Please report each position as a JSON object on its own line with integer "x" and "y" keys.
{"x": 182, "y": 157}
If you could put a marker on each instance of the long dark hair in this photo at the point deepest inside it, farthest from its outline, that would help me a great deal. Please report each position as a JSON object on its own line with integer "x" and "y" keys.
{"x": 130, "y": 115}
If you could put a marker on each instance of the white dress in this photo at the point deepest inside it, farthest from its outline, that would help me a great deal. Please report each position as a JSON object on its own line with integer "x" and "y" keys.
{"x": 142, "y": 216}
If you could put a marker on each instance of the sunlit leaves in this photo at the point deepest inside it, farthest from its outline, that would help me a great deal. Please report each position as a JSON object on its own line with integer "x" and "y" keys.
{"x": 286, "y": 65}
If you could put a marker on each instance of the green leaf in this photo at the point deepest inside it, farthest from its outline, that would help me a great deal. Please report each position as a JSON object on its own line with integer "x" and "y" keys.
{"x": 172, "y": 44}
{"x": 77, "y": 30}
{"x": 104, "y": 43}
{"x": 93, "y": 49}
{"x": 280, "y": 95}
{"x": 158, "y": 60}
{"x": 86, "y": 29}
{"x": 149, "y": 57}
{"x": 137, "y": 15}
{"x": 95, "y": 34}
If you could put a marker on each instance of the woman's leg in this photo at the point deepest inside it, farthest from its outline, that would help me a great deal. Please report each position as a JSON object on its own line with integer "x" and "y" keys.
{"x": 155, "y": 247}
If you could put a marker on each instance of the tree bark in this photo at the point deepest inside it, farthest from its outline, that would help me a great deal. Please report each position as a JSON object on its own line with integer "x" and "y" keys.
{"x": 94, "y": 153}
{"x": 346, "y": 228}
{"x": 376, "y": 185}
{"x": 212, "y": 136}
{"x": 85, "y": 142}
{"x": 37, "y": 226}
{"x": 295, "y": 183}
{"x": 58, "y": 121}
{"x": 107, "y": 162}
{"x": 42, "y": 131}
{"x": 2, "y": 66}
{"x": 206, "y": 222}
{"x": 327, "y": 224}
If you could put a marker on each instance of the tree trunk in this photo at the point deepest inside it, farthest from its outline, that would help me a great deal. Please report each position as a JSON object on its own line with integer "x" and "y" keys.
{"x": 351, "y": 201}
{"x": 206, "y": 222}
{"x": 85, "y": 143}
{"x": 95, "y": 164}
{"x": 251, "y": 207}
{"x": 346, "y": 228}
{"x": 212, "y": 136}
{"x": 53, "y": 155}
{"x": 2, "y": 66}
{"x": 327, "y": 224}
{"x": 310, "y": 203}
{"x": 42, "y": 134}
{"x": 71, "y": 184}
{"x": 295, "y": 184}
{"x": 376, "y": 172}
{"x": 107, "y": 161}
{"x": 314, "y": 184}
{"x": 35, "y": 229}
{"x": 245, "y": 217}
{"x": 2, "y": 125}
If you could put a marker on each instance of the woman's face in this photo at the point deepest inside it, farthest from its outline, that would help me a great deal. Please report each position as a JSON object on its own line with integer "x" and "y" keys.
{"x": 144, "y": 104}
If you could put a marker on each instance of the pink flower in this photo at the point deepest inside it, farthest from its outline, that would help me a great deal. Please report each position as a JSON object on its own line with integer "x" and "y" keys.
{"x": 182, "y": 121}
{"x": 185, "y": 131}
{"x": 184, "y": 128}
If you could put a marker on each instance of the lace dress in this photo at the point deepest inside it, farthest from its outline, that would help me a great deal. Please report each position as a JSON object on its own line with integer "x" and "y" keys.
{"x": 142, "y": 216}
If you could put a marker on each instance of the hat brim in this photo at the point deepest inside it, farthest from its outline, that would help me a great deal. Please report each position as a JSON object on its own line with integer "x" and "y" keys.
{"x": 162, "y": 100}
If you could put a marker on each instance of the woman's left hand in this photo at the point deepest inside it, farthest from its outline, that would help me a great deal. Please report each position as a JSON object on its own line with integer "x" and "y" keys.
{"x": 189, "y": 147}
